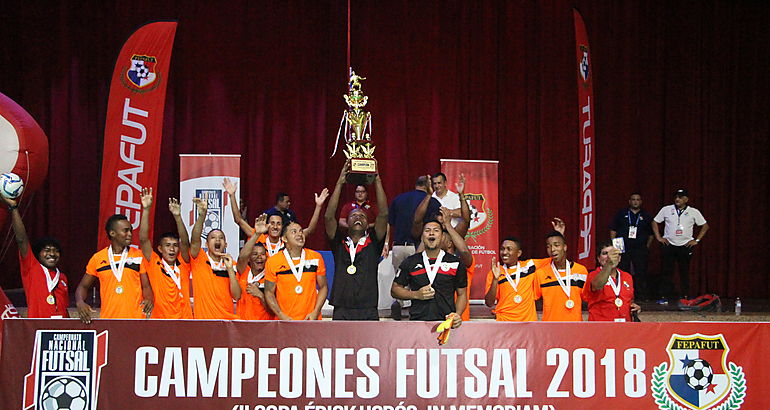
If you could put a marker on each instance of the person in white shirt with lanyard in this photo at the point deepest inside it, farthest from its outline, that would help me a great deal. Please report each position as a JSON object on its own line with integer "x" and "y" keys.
{"x": 678, "y": 241}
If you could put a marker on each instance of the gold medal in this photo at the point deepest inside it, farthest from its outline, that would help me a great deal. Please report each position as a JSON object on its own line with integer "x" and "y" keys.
{"x": 618, "y": 302}
{"x": 119, "y": 289}
{"x": 351, "y": 269}
{"x": 569, "y": 303}
{"x": 50, "y": 299}
{"x": 298, "y": 289}
{"x": 517, "y": 298}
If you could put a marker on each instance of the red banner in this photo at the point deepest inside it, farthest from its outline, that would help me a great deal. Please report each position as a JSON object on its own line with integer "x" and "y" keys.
{"x": 481, "y": 194}
{"x": 132, "y": 133}
{"x": 383, "y": 366}
{"x": 586, "y": 111}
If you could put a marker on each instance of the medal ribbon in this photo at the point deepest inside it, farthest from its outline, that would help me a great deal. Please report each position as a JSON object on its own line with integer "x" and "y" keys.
{"x": 273, "y": 249}
{"x": 295, "y": 269}
{"x": 514, "y": 283}
{"x": 51, "y": 283}
{"x": 173, "y": 272}
{"x": 255, "y": 278}
{"x": 353, "y": 248}
{"x": 432, "y": 270}
{"x": 216, "y": 265}
{"x": 615, "y": 288}
{"x": 565, "y": 286}
{"x": 117, "y": 268}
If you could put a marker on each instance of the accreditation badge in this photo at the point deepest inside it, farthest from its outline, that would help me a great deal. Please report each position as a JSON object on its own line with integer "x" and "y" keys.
{"x": 632, "y": 232}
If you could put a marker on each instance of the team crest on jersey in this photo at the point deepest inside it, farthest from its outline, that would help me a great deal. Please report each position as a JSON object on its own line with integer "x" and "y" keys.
{"x": 481, "y": 216}
{"x": 141, "y": 74}
{"x": 66, "y": 365}
{"x": 698, "y": 375}
{"x": 584, "y": 65}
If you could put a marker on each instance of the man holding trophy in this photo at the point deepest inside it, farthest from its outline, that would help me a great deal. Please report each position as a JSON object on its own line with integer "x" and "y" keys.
{"x": 356, "y": 251}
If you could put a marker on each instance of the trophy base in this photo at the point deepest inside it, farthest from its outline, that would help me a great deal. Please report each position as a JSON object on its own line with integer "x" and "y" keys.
{"x": 363, "y": 171}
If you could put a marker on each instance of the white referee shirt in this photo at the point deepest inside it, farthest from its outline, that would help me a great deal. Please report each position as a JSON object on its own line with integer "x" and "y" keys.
{"x": 450, "y": 200}
{"x": 679, "y": 227}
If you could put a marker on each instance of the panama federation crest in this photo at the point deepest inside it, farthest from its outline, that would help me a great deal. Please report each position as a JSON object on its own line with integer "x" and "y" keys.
{"x": 584, "y": 66}
{"x": 141, "y": 74}
{"x": 698, "y": 375}
{"x": 481, "y": 216}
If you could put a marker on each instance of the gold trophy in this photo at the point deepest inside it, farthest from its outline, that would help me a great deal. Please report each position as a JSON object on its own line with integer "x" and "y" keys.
{"x": 356, "y": 126}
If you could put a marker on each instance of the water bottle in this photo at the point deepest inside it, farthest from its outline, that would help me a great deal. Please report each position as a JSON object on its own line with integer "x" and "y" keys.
{"x": 737, "y": 306}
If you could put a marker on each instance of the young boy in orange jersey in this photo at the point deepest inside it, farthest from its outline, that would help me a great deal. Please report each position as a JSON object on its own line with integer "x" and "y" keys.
{"x": 168, "y": 270}
{"x": 251, "y": 268}
{"x": 291, "y": 278}
{"x": 215, "y": 282}
{"x": 124, "y": 287}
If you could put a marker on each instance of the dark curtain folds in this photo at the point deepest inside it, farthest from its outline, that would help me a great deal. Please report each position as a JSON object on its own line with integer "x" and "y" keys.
{"x": 681, "y": 89}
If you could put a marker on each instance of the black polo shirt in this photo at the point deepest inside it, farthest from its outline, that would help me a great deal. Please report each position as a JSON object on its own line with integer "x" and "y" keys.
{"x": 358, "y": 290}
{"x": 624, "y": 219}
{"x": 450, "y": 277}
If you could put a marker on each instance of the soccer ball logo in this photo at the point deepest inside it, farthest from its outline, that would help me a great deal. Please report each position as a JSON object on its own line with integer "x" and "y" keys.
{"x": 211, "y": 223}
{"x": 698, "y": 374}
{"x": 142, "y": 71}
{"x": 64, "y": 393}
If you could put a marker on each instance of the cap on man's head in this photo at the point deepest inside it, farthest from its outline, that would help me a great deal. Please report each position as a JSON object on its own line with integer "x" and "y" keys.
{"x": 680, "y": 192}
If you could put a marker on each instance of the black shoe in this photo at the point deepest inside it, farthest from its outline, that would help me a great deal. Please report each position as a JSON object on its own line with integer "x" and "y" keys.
{"x": 395, "y": 311}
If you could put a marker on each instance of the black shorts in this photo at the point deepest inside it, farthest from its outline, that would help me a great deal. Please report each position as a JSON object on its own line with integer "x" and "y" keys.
{"x": 341, "y": 313}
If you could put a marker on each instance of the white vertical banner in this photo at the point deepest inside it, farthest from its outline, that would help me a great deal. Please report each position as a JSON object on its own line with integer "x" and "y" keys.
{"x": 203, "y": 174}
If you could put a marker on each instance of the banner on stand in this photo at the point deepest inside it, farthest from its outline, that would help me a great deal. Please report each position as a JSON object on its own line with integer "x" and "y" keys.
{"x": 586, "y": 115}
{"x": 134, "y": 126}
{"x": 203, "y": 175}
{"x": 481, "y": 194}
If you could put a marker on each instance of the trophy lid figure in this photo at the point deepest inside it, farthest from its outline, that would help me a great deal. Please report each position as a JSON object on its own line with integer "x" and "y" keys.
{"x": 356, "y": 126}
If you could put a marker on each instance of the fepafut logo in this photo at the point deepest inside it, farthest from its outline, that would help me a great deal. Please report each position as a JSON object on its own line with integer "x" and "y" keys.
{"x": 698, "y": 375}
{"x": 583, "y": 68}
{"x": 482, "y": 217}
{"x": 141, "y": 75}
{"x": 65, "y": 370}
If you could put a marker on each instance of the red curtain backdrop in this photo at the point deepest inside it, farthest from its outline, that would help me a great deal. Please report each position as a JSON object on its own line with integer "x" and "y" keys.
{"x": 682, "y": 100}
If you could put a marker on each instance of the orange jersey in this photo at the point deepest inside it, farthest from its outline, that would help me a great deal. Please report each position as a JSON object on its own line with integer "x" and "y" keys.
{"x": 271, "y": 248}
{"x": 250, "y": 307}
{"x": 171, "y": 301}
{"x": 212, "y": 290}
{"x": 120, "y": 300}
{"x": 554, "y": 299}
{"x": 509, "y": 307}
{"x": 295, "y": 298}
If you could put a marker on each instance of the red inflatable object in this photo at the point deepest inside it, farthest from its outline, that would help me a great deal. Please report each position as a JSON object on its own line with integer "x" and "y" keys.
{"x": 23, "y": 147}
